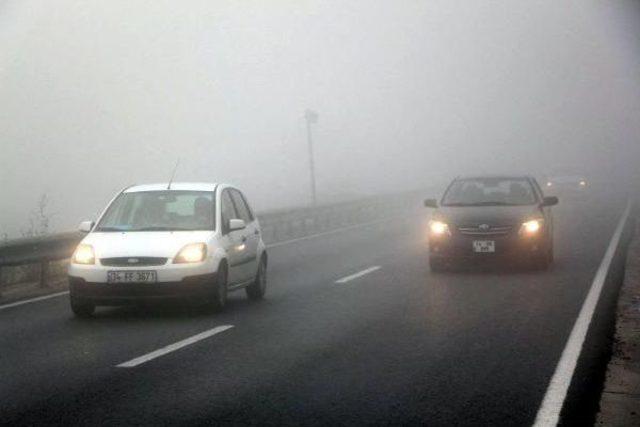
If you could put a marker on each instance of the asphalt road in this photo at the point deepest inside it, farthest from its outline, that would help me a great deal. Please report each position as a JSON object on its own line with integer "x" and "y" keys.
{"x": 395, "y": 345}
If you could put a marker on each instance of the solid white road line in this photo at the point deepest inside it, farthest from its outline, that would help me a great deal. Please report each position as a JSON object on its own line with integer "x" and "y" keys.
{"x": 358, "y": 274}
{"x": 173, "y": 347}
{"x": 326, "y": 233}
{"x": 549, "y": 412}
{"x": 27, "y": 301}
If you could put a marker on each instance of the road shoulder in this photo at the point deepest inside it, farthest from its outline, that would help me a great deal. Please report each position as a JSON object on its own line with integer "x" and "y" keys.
{"x": 620, "y": 401}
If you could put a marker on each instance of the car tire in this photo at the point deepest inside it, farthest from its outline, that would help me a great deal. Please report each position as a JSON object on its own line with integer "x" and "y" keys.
{"x": 436, "y": 265}
{"x": 258, "y": 288}
{"x": 543, "y": 261}
{"x": 219, "y": 297}
{"x": 82, "y": 308}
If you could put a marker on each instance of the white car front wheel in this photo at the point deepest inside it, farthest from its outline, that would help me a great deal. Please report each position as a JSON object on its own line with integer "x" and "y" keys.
{"x": 219, "y": 297}
{"x": 257, "y": 289}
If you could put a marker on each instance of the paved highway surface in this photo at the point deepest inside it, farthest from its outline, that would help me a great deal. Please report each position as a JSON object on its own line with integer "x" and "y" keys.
{"x": 355, "y": 329}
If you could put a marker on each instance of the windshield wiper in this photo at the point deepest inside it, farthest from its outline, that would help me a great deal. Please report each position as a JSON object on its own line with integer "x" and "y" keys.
{"x": 492, "y": 203}
{"x": 489, "y": 203}
{"x": 161, "y": 228}
{"x": 111, "y": 229}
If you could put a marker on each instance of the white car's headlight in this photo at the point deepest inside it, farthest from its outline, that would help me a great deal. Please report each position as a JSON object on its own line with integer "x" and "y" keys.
{"x": 439, "y": 228}
{"x": 193, "y": 252}
{"x": 531, "y": 227}
{"x": 84, "y": 255}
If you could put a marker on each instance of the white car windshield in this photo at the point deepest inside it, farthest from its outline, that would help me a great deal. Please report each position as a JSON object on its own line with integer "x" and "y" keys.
{"x": 169, "y": 210}
{"x": 490, "y": 192}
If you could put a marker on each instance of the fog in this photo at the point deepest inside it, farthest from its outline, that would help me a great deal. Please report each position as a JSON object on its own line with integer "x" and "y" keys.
{"x": 99, "y": 95}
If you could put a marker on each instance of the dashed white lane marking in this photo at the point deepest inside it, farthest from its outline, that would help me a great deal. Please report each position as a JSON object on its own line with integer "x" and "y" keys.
{"x": 358, "y": 274}
{"x": 173, "y": 347}
{"x": 549, "y": 412}
{"x": 27, "y": 301}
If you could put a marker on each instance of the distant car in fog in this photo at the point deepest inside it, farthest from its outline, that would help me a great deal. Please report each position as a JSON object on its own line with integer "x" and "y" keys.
{"x": 566, "y": 183}
{"x": 481, "y": 218}
{"x": 193, "y": 241}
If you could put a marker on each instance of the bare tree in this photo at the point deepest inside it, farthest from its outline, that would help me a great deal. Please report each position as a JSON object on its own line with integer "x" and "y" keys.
{"x": 39, "y": 218}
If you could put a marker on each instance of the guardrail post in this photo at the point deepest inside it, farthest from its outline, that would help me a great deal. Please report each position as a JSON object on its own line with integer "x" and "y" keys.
{"x": 1, "y": 282}
{"x": 44, "y": 273}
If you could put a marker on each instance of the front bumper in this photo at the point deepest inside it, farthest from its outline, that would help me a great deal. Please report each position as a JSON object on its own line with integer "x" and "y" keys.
{"x": 99, "y": 293}
{"x": 510, "y": 246}
{"x": 170, "y": 272}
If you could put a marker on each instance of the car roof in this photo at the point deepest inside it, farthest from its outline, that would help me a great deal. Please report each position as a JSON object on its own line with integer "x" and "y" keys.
{"x": 567, "y": 178}
{"x": 495, "y": 177}
{"x": 183, "y": 186}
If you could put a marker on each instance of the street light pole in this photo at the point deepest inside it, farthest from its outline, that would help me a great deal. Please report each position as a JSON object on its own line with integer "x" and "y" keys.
{"x": 311, "y": 117}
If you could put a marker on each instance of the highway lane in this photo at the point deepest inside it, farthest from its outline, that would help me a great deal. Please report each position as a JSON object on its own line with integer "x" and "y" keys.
{"x": 396, "y": 345}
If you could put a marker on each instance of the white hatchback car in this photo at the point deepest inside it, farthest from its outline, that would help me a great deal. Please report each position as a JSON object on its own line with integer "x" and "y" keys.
{"x": 160, "y": 241}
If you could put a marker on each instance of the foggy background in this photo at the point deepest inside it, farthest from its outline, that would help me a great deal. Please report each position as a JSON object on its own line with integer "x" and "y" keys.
{"x": 98, "y": 95}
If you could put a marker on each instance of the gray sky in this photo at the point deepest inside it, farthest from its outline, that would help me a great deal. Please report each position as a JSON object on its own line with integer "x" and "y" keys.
{"x": 97, "y": 95}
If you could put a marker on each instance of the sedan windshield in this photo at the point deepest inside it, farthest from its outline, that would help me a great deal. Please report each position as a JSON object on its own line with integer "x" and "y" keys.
{"x": 489, "y": 192}
{"x": 160, "y": 211}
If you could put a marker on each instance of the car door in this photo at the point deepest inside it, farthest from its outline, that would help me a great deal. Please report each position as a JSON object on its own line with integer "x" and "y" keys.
{"x": 251, "y": 233}
{"x": 232, "y": 241}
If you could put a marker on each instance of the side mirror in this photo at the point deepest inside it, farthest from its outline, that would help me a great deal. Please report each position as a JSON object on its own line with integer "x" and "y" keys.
{"x": 430, "y": 203}
{"x": 236, "y": 224}
{"x": 550, "y": 201}
{"x": 85, "y": 226}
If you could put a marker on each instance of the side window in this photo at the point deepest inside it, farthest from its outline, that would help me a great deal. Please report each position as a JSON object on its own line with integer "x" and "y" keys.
{"x": 246, "y": 205}
{"x": 227, "y": 210}
{"x": 241, "y": 206}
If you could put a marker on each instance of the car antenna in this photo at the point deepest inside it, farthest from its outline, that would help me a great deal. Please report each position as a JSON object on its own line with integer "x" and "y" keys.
{"x": 173, "y": 174}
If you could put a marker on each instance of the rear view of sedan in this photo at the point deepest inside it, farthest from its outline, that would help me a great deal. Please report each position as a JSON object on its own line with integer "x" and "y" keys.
{"x": 193, "y": 241}
{"x": 569, "y": 187}
{"x": 491, "y": 218}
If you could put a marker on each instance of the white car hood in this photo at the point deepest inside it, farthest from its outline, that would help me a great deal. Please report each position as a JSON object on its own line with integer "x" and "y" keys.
{"x": 143, "y": 243}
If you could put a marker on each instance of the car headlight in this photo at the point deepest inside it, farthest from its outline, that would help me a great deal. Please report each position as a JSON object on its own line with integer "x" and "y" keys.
{"x": 583, "y": 183}
{"x": 193, "y": 252}
{"x": 439, "y": 228}
{"x": 549, "y": 184}
{"x": 531, "y": 227}
{"x": 84, "y": 255}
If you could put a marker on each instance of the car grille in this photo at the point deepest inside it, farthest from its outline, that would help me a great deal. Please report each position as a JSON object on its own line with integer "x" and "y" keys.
{"x": 493, "y": 230}
{"x": 133, "y": 261}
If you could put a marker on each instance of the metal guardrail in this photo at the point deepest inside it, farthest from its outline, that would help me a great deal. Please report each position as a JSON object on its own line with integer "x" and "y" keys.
{"x": 286, "y": 224}
{"x": 277, "y": 225}
{"x": 39, "y": 250}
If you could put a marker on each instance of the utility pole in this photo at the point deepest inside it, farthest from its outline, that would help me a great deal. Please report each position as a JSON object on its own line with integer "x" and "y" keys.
{"x": 311, "y": 117}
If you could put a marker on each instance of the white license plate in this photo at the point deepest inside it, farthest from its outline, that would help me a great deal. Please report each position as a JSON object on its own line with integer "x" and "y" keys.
{"x": 484, "y": 246}
{"x": 131, "y": 276}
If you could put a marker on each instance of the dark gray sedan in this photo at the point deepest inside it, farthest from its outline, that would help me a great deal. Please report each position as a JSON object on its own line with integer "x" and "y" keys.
{"x": 483, "y": 218}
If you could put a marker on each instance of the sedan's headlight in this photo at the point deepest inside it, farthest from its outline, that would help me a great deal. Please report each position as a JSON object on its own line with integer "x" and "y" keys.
{"x": 531, "y": 228}
{"x": 193, "y": 252}
{"x": 439, "y": 228}
{"x": 84, "y": 255}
